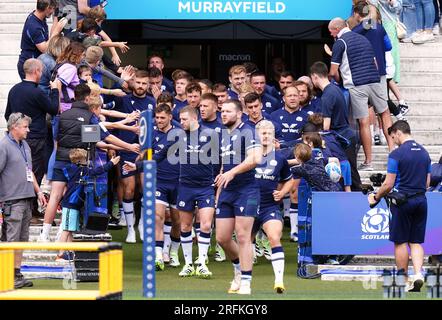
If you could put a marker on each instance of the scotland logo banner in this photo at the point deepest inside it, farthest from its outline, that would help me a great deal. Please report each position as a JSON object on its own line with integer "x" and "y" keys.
{"x": 344, "y": 224}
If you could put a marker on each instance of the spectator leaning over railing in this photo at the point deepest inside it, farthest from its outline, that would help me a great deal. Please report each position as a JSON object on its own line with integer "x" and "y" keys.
{"x": 35, "y": 36}
{"x": 18, "y": 187}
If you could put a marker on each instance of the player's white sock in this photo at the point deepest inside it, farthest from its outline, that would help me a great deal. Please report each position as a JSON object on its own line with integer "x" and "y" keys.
{"x": 293, "y": 218}
{"x": 278, "y": 264}
{"x": 186, "y": 243}
{"x": 286, "y": 202}
{"x": 203, "y": 246}
{"x": 246, "y": 278}
{"x": 166, "y": 229}
{"x": 128, "y": 207}
{"x": 159, "y": 250}
{"x": 175, "y": 245}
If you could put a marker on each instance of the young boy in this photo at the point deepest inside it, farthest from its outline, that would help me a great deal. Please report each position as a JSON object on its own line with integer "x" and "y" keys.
{"x": 73, "y": 200}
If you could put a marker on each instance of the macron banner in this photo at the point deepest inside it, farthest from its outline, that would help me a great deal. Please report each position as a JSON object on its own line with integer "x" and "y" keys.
{"x": 344, "y": 224}
{"x": 227, "y": 9}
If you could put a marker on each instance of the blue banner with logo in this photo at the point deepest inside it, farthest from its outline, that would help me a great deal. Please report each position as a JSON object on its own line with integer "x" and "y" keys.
{"x": 344, "y": 224}
{"x": 228, "y": 9}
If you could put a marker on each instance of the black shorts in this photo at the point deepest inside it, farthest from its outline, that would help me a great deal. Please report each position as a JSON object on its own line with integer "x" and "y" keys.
{"x": 57, "y": 174}
{"x": 408, "y": 222}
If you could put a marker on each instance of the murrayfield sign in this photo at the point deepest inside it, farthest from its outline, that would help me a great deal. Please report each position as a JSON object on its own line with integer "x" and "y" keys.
{"x": 228, "y": 9}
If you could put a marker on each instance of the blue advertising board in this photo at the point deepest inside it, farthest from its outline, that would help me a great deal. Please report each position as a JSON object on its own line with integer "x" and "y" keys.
{"x": 344, "y": 224}
{"x": 227, "y": 9}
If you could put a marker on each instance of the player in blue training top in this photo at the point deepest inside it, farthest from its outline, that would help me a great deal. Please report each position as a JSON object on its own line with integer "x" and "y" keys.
{"x": 167, "y": 189}
{"x": 258, "y": 83}
{"x": 408, "y": 174}
{"x": 181, "y": 79}
{"x": 137, "y": 101}
{"x": 237, "y": 77}
{"x": 275, "y": 181}
{"x": 197, "y": 146}
{"x": 210, "y": 117}
{"x": 291, "y": 119}
{"x": 238, "y": 201}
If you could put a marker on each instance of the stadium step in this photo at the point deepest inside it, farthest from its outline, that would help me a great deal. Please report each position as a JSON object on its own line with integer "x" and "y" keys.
{"x": 420, "y": 65}
{"x": 419, "y": 108}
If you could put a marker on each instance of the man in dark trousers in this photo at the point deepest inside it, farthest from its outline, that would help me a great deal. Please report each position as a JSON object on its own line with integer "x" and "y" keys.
{"x": 26, "y": 97}
{"x": 408, "y": 172}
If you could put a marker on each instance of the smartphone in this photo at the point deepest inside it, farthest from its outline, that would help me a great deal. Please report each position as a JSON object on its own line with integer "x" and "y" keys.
{"x": 104, "y": 3}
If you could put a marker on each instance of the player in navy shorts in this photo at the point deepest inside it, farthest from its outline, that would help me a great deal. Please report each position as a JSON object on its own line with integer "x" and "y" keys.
{"x": 408, "y": 173}
{"x": 137, "y": 101}
{"x": 195, "y": 189}
{"x": 238, "y": 201}
{"x": 272, "y": 171}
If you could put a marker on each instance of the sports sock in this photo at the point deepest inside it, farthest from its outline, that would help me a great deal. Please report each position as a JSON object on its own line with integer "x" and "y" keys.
{"x": 128, "y": 207}
{"x": 278, "y": 264}
{"x": 175, "y": 244}
{"x": 286, "y": 202}
{"x": 186, "y": 243}
{"x": 197, "y": 227}
{"x": 246, "y": 277}
{"x": 159, "y": 250}
{"x": 120, "y": 208}
{"x": 293, "y": 218}
{"x": 236, "y": 266}
{"x": 166, "y": 229}
{"x": 203, "y": 246}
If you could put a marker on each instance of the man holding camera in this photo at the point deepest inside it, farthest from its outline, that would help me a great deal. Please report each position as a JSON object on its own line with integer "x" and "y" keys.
{"x": 408, "y": 172}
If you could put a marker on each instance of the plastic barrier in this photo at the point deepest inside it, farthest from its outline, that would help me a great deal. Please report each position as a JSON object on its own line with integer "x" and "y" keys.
{"x": 110, "y": 268}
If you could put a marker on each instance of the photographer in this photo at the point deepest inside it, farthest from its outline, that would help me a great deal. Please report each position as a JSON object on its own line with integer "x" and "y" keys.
{"x": 18, "y": 187}
{"x": 408, "y": 171}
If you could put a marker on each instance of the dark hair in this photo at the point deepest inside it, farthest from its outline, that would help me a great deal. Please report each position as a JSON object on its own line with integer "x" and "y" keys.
{"x": 42, "y": 5}
{"x": 361, "y": 9}
{"x": 317, "y": 119}
{"x": 210, "y": 96}
{"x": 163, "y": 108}
{"x": 83, "y": 68}
{"x": 400, "y": 125}
{"x": 314, "y": 138}
{"x": 141, "y": 74}
{"x": 193, "y": 86}
{"x": 286, "y": 74}
{"x": 302, "y": 83}
{"x": 165, "y": 97}
{"x": 154, "y": 72}
{"x": 320, "y": 69}
{"x": 257, "y": 74}
{"x": 251, "y": 97}
{"x": 309, "y": 127}
{"x": 88, "y": 24}
{"x": 219, "y": 87}
{"x": 81, "y": 92}
{"x": 250, "y": 67}
{"x": 236, "y": 103}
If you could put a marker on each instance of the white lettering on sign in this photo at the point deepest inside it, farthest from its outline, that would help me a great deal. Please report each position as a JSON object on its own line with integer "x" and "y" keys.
{"x": 232, "y": 7}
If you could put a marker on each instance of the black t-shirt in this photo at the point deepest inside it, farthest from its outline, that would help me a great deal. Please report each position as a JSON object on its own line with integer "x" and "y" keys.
{"x": 35, "y": 31}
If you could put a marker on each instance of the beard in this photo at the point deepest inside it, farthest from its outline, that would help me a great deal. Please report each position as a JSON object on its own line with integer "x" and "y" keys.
{"x": 140, "y": 92}
{"x": 229, "y": 123}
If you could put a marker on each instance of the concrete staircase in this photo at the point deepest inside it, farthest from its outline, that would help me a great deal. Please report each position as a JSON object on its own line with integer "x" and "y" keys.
{"x": 421, "y": 87}
{"x": 13, "y": 14}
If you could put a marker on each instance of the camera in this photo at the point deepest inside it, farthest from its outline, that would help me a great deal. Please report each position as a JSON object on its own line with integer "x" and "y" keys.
{"x": 377, "y": 179}
{"x": 367, "y": 188}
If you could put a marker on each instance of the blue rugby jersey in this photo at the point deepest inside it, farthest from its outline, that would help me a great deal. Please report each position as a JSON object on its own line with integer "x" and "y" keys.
{"x": 234, "y": 147}
{"x": 196, "y": 164}
{"x": 129, "y": 104}
{"x": 411, "y": 163}
{"x": 270, "y": 104}
{"x": 272, "y": 170}
{"x": 177, "y": 106}
{"x": 165, "y": 170}
{"x": 291, "y": 123}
